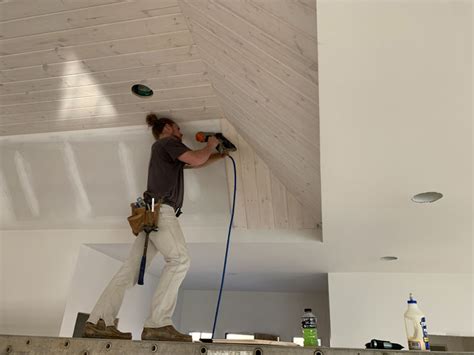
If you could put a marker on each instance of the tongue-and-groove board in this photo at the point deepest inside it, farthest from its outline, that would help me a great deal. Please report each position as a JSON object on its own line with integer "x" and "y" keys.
{"x": 69, "y": 65}
{"x": 262, "y": 201}
{"x": 262, "y": 62}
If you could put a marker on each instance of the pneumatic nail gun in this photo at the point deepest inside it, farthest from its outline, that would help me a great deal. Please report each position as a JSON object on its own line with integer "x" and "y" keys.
{"x": 224, "y": 146}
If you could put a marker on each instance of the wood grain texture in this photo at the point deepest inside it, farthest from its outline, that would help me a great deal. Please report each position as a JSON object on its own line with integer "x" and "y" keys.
{"x": 87, "y": 17}
{"x": 110, "y": 109}
{"x": 114, "y": 99}
{"x": 300, "y": 14}
{"x": 105, "y": 77}
{"x": 263, "y": 66}
{"x": 280, "y": 203}
{"x": 264, "y": 192}
{"x": 68, "y": 65}
{"x": 263, "y": 202}
{"x": 18, "y": 9}
{"x": 97, "y": 65}
{"x": 115, "y": 120}
{"x": 109, "y": 32}
{"x": 97, "y": 50}
{"x": 165, "y": 83}
{"x": 249, "y": 183}
{"x": 240, "y": 215}
{"x": 239, "y": 46}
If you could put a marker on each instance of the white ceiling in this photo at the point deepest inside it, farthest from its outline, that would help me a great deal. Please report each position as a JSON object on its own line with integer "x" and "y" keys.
{"x": 395, "y": 113}
{"x": 396, "y": 120}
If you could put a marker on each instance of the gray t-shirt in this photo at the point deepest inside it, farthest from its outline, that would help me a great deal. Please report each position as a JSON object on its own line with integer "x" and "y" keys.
{"x": 165, "y": 172}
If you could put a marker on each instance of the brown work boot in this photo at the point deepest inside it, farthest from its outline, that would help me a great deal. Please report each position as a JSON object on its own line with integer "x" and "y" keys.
{"x": 167, "y": 333}
{"x": 99, "y": 330}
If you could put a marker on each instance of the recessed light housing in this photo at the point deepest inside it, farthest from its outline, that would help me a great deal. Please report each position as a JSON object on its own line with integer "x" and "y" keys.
{"x": 142, "y": 90}
{"x": 427, "y": 197}
{"x": 388, "y": 258}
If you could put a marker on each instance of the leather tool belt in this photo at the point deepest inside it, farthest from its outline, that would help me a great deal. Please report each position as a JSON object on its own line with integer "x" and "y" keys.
{"x": 143, "y": 219}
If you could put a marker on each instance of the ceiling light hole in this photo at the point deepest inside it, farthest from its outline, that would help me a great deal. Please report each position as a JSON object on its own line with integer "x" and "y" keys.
{"x": 427, "y": 197}
{"x": 142, "y": 90}
{"x": 388, "y": 258}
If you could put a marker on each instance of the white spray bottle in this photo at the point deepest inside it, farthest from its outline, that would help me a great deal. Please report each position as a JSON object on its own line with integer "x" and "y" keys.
{"x": 415, "y": 325}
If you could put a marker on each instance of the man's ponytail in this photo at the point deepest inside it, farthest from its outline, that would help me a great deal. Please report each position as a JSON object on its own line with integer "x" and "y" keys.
{"x": 157, "y": 124}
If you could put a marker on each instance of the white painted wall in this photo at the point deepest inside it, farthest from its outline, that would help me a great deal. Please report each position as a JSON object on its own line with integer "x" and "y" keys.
{"x": 269, "y": 312}
{"x": 46, "y": 278}
{"x": 37, "y": 268}
{"x": 265, "y": 312}
{"x": 364, "y": 306}
{"x": 93, "y": 272}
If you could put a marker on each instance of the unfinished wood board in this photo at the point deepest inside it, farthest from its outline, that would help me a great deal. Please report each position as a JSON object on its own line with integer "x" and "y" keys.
{"x": 167, "y": 83}
{"x": 117, "y": 120}
{"x": 264, "y": 191}
{"x": 87, "y": 17}
{"x": 248, "y": 48}
{"x": 263, "y": 202}
{"x": 240, "y": 216}
{"x": 108, "y": 32}
{"x": 68, "y": 65}
{"x": 97, "y": 50}
{"x": 249, "y": 183}
{"x": 110, "y": 109}
{"x": 97, "y": 65}
{"x": 106, "y": 77}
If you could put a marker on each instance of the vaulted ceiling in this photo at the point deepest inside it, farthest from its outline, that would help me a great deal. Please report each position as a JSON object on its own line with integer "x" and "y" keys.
{"x": 68, "y": 65}
{"x": 396, "y": 117}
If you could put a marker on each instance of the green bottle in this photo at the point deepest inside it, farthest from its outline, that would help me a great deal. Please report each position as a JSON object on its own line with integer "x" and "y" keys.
{"x": 308, "y": 325}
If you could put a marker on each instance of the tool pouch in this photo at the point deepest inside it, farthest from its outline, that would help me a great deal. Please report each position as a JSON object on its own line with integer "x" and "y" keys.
{"x": 141, "y": 217}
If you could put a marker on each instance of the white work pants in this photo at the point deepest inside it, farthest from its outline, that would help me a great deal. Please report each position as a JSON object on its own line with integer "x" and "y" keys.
{"x": 169, "y": 241}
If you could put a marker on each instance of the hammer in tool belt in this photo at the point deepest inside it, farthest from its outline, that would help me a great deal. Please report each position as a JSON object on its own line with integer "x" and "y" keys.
{"x": 144, "y": 218}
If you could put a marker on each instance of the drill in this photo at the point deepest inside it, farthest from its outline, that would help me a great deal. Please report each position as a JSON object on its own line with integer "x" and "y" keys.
{"x": 224, "y": 146}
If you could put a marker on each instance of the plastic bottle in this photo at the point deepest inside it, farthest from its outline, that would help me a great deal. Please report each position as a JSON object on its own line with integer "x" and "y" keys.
{"x": 415, "y": 325}
{"x": 308, "y": 325}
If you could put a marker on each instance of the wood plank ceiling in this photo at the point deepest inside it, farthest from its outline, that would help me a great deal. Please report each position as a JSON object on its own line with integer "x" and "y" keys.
{"x": 69, "y": 65}
{"x": 262, "y": 202}
{"x": 262, "y": 61}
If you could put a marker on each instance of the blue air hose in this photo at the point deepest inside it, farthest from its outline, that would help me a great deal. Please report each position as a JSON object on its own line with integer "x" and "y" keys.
{"x": 227, "y": 247}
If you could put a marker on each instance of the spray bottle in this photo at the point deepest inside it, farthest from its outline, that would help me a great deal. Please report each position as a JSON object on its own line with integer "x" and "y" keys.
{"x": 415, "y": 325}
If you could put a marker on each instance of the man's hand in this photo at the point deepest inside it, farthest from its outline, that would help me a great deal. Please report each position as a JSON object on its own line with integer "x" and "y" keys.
{"x": 212, "y": 142}
{"x": 197, "y": 158}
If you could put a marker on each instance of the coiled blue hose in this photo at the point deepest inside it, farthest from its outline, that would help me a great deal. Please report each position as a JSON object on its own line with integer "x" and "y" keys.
{"x": 227, "y": 248}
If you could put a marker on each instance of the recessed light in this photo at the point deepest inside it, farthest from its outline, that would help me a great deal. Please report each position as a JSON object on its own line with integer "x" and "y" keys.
{"x": 142, "y": 90}
{"x": 427, "y": 197}
{"x": 388, "y": 258}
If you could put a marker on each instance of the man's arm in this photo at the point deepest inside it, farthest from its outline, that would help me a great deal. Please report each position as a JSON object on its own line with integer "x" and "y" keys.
{"x": 214, "y": 157}
{"x": 196, "y": 158}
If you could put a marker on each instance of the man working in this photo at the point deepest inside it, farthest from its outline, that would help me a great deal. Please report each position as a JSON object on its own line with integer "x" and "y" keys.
{"x": 169, "y": 156}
